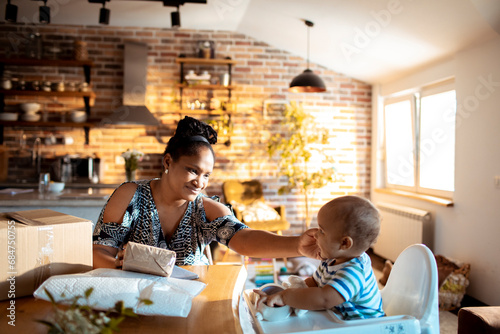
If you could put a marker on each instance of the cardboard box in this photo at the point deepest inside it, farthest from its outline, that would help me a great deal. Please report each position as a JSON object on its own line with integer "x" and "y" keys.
{"x": 38, "y": 244}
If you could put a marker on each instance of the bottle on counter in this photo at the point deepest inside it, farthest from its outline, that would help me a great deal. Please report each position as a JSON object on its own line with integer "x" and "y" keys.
{"x": 66, "y": 170}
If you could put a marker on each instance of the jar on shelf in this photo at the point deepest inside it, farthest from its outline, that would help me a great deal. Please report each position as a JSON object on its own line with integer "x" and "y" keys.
{"x": 35, "y": 85}
{"x": 58, "y": 86}
{"x": 46, "y": 86}
{"x": 84, "y": 87}
{"x": 71, "y": 87}
{"x": 6, "y": 83}
{"x": 80, "y": 50}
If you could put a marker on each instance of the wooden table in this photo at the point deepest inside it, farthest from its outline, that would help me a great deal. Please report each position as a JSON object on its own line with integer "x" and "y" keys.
{"x": 214, "y": 310}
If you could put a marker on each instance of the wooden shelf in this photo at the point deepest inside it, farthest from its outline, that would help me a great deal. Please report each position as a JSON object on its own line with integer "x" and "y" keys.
{"x": 49, "y": 124}
{"x": 203, "y": 61}
{"x": 48, "y": 94}
{"x": 206, "y": 87}
{"x": 46, "y": 62}
{"x": 85, "y": 64}
{"x": 200, "y": 112}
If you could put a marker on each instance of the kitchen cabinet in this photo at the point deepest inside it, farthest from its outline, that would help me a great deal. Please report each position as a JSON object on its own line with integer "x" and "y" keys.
{"x": 183, "y": 85}
{"x": 85, "y": 95}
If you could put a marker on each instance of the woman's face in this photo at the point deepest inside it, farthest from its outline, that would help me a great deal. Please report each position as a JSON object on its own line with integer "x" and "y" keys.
{"x": 188, "y": 176}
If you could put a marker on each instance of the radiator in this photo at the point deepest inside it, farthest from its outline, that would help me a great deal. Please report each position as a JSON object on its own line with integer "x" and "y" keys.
{"x": 401, "y": 227}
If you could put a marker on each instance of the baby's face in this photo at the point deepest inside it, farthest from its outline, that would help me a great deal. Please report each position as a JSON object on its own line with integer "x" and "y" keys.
{"x": 329, "y": 236}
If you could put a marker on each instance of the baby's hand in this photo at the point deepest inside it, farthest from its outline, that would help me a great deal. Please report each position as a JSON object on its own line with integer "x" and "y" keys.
{"x": 270, "y": 300}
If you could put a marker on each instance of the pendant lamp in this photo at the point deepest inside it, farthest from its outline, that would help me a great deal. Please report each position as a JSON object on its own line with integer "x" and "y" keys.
{"x": 307, "y": 81}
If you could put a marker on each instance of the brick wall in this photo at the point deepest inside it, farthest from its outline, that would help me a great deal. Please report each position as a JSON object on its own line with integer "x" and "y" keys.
{"x": 263, "y": 72}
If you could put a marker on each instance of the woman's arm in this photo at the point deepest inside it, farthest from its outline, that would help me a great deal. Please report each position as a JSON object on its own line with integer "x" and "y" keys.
{"x": 259, "y": 243}
{"x": 105, "y": 256}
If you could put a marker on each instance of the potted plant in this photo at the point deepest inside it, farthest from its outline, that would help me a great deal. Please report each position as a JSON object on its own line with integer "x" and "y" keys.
{"x": 300, "y": 140}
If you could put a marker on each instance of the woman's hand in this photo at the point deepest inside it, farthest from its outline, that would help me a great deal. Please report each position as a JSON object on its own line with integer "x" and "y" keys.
{"x": 307, "y": 244}
{"x": 119, "y": 257}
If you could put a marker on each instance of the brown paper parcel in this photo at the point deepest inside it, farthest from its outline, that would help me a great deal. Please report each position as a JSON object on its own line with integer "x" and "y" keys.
{"x": 148, "y": 259}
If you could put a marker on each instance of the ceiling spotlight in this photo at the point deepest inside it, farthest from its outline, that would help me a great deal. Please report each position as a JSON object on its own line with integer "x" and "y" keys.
{"x": 307, "y": 81}
{"x": 10, "y": 12}
{"x": 104, "y": 14}
{"x": 44, "y": 16}
{"x": 176, "y": 18}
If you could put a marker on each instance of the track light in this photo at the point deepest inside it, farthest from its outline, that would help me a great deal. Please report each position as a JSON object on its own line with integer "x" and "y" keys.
{"x": 10, "y": 12}
{"x": 176, "y": 18}
{"x": 44, "y": 13}
{"x": 104, "y": 14}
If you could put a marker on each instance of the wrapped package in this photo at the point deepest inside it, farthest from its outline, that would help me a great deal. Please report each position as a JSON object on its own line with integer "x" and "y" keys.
{"x": 148, "y": 259}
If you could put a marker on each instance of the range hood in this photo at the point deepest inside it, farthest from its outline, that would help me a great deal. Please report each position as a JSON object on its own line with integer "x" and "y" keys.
{"x": 134, "y": 111}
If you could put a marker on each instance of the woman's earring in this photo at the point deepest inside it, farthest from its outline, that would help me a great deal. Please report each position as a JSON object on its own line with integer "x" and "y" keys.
{"x": 166, "y": 171}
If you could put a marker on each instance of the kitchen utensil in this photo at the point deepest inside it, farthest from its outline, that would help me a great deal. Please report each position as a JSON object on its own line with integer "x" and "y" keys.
{"x": 78, "y": 116}
{"x": 30, "y": 108}
{"x": 8, "y": 116}
{"x": 30, "y": 117}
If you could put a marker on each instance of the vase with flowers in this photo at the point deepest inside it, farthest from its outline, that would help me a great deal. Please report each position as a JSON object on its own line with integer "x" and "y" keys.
{"x": 132, "y": 159}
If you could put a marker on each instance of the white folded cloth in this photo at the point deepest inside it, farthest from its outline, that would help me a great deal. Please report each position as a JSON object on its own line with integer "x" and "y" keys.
{"x": 170, "y": 296}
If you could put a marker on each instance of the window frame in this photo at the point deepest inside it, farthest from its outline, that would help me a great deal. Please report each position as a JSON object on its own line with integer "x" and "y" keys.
{"x": 414, "y": 97}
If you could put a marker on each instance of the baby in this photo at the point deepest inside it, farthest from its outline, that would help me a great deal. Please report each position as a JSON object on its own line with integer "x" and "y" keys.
{"x": 344, "y": 280}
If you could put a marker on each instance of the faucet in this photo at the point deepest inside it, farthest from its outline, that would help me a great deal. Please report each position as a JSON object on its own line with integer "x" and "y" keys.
{"x": 36, "y": 156}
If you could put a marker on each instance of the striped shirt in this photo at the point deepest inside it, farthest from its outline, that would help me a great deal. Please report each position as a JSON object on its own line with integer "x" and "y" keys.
{"x": 356, "y": 282}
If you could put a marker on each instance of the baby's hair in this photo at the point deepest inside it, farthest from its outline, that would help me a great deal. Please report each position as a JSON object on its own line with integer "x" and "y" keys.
{"x": 361, "y": 219}
{"x": 190, "y": 135}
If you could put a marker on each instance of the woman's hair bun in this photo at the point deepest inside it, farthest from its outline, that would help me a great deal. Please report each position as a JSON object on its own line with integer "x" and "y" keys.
{"x": 189, "y": 126}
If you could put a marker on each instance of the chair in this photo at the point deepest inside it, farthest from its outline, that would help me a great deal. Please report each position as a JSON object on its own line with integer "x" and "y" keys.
{"x": 410, "y": 298}
{"x": 250, "y": 207}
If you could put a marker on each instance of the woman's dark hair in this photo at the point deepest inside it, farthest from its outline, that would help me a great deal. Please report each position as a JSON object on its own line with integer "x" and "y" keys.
{"x": 190, "y": 135}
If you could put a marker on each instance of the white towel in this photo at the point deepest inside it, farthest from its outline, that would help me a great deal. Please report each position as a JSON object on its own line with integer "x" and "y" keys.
{"x": 170, "y": 296}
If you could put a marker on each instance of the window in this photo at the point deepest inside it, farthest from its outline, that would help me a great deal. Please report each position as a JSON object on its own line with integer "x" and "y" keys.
{"x": 420, "y": 141}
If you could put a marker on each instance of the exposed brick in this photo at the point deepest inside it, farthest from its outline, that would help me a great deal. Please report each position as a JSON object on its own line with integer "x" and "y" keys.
{"x": 263, "y": 72}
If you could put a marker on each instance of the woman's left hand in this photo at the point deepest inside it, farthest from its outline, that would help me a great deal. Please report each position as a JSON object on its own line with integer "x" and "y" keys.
{"x": 307, "y": 244}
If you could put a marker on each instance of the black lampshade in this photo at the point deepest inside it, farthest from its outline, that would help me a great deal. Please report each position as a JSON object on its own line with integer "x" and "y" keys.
{"x": 307, "y": 82}
{"x": 176, "y": 19}
{"x": 104, "y": 16}
{"x": 44, "y": 14}
{"x": 10, "y": 13}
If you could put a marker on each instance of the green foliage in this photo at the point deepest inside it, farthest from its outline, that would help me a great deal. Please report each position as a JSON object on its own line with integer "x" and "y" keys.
{"x": 82, "y": 319}
{"x": 295, "y": 150}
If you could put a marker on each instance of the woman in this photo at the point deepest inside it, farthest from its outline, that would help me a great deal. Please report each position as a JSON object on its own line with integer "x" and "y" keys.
{"x": 171, "y": 212}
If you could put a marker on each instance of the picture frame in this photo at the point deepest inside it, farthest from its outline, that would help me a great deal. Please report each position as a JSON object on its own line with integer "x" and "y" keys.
{"x": 273, "y": 107}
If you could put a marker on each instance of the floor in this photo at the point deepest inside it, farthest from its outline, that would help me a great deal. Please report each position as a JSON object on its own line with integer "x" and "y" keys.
{"x": 448, "y": 321}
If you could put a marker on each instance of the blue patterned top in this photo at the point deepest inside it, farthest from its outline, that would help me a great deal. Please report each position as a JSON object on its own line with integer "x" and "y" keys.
{"x": 141, "y": 224}
{"x": 356, "y": 282}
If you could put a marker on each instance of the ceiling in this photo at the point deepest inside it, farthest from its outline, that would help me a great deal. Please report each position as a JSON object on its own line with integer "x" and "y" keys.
{"x": 371, "y": 40}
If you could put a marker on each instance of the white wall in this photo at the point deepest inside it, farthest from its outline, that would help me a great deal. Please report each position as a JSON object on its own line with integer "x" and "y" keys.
{"x": 470, "y": 230}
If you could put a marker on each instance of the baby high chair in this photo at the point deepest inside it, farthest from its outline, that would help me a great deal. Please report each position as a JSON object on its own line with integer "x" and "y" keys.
{"x": 410, "y": 301}
{"x": 410, "y": 297}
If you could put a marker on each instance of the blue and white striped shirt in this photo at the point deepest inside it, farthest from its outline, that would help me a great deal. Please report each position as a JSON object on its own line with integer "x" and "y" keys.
{"x": 356, "y": 282}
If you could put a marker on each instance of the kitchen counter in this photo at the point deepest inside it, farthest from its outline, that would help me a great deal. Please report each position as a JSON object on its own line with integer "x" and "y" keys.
{"x": 68, "y": 197}
{"x": 80, "y": 202}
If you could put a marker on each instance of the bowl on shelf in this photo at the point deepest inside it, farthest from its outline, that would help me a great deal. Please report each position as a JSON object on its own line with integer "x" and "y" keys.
{"x": 8, "y": 116}
{"x": 30, "y": 117}
{"x": 56, "y": 187}
{"x": 30, "y": 108}
{"x": 78, "y": 116}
